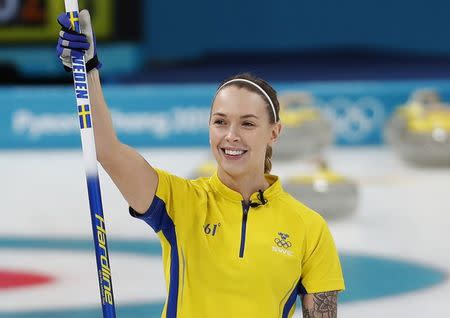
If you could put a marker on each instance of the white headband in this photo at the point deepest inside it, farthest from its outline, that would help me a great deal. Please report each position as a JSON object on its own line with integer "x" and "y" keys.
{"x": 255, "y": 85}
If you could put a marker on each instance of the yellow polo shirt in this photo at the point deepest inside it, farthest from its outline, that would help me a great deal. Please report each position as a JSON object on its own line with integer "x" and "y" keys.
{"x": 223, "y": 258}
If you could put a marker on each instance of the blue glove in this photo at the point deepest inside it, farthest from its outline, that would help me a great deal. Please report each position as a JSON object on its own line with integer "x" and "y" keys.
{"x": 71, "y": 43}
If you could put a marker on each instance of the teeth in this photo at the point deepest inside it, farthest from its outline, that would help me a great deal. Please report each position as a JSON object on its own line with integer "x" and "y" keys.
{"x": 234, "y": 152}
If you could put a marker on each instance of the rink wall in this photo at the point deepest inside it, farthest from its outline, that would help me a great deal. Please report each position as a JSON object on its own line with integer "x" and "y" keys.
{"x": 293, "y": 26}
{"x": 177, "y": 115}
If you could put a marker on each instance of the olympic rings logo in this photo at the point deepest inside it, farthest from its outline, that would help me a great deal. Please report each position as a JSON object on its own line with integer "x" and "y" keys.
{"x": 282, "y": 243}
{"x": 354, "y": 121}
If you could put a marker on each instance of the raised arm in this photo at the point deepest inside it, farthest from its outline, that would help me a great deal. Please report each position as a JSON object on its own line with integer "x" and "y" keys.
{"x": 134, "y": 177}
{"x": 131, "y": 173}
{"x": 320, "y": 305}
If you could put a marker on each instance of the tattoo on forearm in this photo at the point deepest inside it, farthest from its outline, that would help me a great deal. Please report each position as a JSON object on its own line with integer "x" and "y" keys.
{"x": 324, "y": 305}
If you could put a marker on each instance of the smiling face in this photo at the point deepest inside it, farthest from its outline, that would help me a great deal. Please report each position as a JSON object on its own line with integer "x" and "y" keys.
{"x": 240, "y": 131}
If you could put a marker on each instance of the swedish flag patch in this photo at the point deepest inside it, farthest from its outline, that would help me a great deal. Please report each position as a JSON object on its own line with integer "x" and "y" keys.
{"x": 74, "y": 21}
{"x": 84, "y": 114}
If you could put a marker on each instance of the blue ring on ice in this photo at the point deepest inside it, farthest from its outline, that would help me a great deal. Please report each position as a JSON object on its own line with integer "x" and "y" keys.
{"x": 366, "y": 277}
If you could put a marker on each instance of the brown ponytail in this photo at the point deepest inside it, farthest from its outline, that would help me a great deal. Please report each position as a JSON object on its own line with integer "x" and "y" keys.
{"x": 268, "y": 160}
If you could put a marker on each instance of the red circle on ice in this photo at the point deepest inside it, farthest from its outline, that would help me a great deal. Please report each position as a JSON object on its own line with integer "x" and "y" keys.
{"x": 14, "y": 279}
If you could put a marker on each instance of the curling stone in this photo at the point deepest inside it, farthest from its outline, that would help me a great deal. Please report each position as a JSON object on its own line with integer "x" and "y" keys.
{"x": 305, "y": 130}
{"x": 326, "y": 192}
{"x": 419, "y": 131}
{"x": 206, "y": 169}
